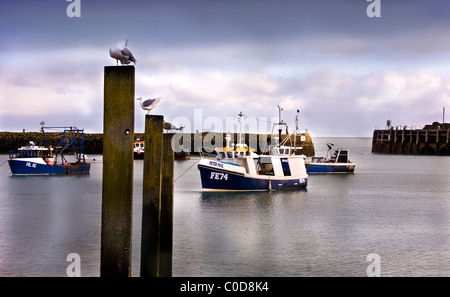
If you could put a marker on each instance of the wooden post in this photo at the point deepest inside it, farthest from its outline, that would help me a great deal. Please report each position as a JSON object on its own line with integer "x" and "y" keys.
{"x": 151, "y": 196}
{"x": 117, "y": 193}
{"x": 166, "y": 222}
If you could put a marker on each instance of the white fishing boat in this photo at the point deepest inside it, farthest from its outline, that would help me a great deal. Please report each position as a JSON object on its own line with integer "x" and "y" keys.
{"x": 238, "y": 168}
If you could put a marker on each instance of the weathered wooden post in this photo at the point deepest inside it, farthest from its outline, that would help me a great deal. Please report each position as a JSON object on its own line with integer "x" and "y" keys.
{"x": 166, "y": 220}
{"x": 151, "y": 196}
{"x": 117, "y": 193}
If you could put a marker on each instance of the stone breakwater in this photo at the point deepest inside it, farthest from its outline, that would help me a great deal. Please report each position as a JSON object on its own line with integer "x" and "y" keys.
{"x": 93, "y": 142}
{"x": 430, "y": 140}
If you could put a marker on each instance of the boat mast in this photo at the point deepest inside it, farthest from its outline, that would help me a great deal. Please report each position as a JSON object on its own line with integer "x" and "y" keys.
{"x": 280, "y": 122}
{"x": 296, "y": 127}
{"x": 240, "y": 127}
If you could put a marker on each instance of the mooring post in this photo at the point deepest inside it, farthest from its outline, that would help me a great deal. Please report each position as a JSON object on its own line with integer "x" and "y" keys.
{"x": 151, "y": 195}
{"x": 166, "y": 221}
{"x": 117, "y": 187}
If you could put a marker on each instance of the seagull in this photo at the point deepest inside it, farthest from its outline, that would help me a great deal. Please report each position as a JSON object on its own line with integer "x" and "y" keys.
{"x": 148, "y": 104}
{"x": 168, "y": 126}
{"x": 122, "y": 53}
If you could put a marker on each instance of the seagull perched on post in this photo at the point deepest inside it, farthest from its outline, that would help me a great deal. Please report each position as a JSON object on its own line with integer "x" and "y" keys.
{"x": 148, "y": 104}
{"x": 121, "y": 53}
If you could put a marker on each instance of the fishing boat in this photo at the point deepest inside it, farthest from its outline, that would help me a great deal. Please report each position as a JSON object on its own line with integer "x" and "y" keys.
{"x": 138, "y": 149}
{"x": 238, "y": 168}
{"x": 182, "y": 155}
{"x": 33, "y": 159}
{"x": 336, "y": 161}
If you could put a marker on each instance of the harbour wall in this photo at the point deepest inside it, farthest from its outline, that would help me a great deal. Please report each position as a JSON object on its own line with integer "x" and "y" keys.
{"x": 206, "y": 141}
{"x": 431, "y": 140}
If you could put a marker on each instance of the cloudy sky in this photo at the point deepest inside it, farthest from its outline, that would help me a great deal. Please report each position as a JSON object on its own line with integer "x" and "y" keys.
{"x": 347, "y": 73}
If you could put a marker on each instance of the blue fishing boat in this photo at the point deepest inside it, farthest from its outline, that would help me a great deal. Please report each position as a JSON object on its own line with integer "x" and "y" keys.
{"x": 33, "y": 159}
{"x": 238, "y": 168}
{"x": 336, "y": 161}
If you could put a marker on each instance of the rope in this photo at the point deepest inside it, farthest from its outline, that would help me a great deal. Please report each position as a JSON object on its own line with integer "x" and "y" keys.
{"x": 186, "y": 170}
{"x": 6, "y": 168}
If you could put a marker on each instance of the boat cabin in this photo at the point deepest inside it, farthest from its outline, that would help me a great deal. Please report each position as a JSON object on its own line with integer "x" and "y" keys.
{"x": 338, "y": 156}
{"x": 342, "y": 156}
{"x": 276, "y": 164}
{"x": 284, "y": 150}
{"x": 31, "y": 151}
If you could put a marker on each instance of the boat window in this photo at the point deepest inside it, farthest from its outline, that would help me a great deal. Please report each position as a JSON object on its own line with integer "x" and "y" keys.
{"x": 285, "y": 166}
{"x": 258, "y": 166}
{"x": 229, "y": 155}
{"x": 267, "y": 168}
{"x": 343, "y": 157}
{"x": 266, "y": 165}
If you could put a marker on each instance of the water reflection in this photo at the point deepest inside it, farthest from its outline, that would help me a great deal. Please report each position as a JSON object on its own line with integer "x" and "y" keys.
{"x": 239, "y": 234}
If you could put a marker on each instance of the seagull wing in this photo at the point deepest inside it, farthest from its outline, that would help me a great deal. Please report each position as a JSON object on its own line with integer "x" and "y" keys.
{"x": 148, "y": 102}
{"x": 169, "y": 126}
{"x": 126, "y": 52}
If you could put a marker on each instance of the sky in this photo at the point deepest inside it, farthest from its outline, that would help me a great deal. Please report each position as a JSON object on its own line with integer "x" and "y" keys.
{"x": 346, "y": 72}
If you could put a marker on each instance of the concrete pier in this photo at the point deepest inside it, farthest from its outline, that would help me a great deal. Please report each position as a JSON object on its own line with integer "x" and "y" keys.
{"x": 431, "y": 140}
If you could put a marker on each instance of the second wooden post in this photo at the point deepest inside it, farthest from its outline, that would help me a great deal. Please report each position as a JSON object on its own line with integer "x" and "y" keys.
{"x": 151, "y": 195}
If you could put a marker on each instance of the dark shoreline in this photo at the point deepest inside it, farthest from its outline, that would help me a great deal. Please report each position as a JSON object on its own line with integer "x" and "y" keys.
{"x": 93, "y": 142}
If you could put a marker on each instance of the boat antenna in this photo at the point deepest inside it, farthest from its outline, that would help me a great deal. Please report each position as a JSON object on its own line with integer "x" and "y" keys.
{"x": 44, "y": 137}
{"x": 296, "y": 121}
{"x": 296, "y": 127}
{"x": 280, "y": 122}
{"x": 240, "y": 127}
{"x": 42, "y": 126}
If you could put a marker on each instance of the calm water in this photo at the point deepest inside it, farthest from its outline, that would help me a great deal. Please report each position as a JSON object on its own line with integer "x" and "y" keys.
{"x": 395, "y": 206}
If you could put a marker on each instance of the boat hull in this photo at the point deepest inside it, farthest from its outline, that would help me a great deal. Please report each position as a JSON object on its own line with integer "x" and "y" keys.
{"x": 24, "y": 167}
{"x": 138, "y": 155}
{"x": 330, "y": 167}
{"x": 182, "y": 155}
{"x": 214, "y": 179}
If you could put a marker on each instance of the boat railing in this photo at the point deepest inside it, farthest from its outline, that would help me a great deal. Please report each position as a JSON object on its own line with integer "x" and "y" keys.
{"x": 13, "y": 154}
{"x": 318, "y": 159}
{"x": 204, "y": 154}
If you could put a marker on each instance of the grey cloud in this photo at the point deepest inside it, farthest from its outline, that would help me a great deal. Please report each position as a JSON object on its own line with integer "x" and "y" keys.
{"x": 21, "y": 81}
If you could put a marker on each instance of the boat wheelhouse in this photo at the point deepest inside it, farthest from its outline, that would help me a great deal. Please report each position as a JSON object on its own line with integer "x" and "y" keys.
{"x": 336, "y": 161}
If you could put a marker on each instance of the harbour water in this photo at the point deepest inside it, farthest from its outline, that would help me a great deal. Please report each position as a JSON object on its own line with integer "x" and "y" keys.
{"x": 395, "y": 206}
